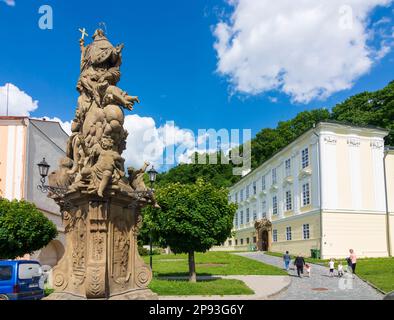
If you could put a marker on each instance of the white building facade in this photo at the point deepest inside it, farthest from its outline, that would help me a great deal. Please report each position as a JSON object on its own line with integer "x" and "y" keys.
{"x": 325, "y": 191}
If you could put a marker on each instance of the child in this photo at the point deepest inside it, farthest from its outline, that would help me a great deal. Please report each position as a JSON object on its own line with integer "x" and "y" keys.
{"x": 340, "y": 269}
{"x": 332, "y": 267}
{"x": 308, "y": 269}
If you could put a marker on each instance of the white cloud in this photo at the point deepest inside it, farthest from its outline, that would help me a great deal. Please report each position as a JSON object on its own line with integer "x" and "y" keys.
{"x": 147, "y": 142}
{"x": 10, "y": 3}
{"x": 307, "y": 49}
{"x": 19, "y": 102}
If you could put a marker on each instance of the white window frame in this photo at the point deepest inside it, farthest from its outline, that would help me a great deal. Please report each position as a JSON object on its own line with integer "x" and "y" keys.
{"x": 263, "y": 183}
{"x": 264, "y": 209}
{"x": 288, "y": 167}
{"x": 306, "y": 231}
{"x": 274, "y": 235}
{"x": 275, "y": 208}
{"x": 306, "y": 194}
{"x": 289, "y": 200}
{"x": 289, "y": 235}
{"x": 305, "y": 158}
{"x": 274, "y": 176}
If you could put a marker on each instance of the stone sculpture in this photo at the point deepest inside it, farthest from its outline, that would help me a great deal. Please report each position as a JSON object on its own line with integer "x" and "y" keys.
{"x": 103, "y": 215}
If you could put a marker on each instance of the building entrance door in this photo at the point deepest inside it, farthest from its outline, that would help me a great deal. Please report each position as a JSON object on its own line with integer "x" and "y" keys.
{"x": 264, "y": 241}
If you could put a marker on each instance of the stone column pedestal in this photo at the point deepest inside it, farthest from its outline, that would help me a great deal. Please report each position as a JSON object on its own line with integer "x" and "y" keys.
{"x": 101, "y": 261}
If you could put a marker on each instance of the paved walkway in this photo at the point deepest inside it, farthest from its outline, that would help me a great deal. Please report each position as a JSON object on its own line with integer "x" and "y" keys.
{"x": 319, "y": 286}
{"x": 263, "y": 286}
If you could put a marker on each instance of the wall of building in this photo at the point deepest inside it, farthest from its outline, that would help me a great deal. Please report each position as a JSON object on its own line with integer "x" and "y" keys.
{"x": 298, "y": 245}
{"x": 12, "y": 158}
{"x": 390, "y": 199}
{"x": 363, "y": 232}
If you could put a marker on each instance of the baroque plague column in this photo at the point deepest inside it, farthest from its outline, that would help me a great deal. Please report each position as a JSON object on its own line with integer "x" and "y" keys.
{"x": 101, "y": 206}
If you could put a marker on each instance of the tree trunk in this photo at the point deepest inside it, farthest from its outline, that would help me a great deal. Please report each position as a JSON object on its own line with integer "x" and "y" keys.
{"x": 192, "y": 268}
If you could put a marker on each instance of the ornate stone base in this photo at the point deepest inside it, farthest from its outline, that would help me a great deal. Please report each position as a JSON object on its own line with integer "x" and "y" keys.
{"x": 101, "y": 261}
{"x": 144, "y": 294}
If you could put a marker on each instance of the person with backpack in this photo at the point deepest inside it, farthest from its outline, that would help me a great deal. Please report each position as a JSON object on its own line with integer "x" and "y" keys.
{"x": 299, "y": 262}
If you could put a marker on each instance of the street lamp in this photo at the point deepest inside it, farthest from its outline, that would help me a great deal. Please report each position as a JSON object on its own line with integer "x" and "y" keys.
{"x": 152, "y": 176}
{"x": 152, "y": 179}
{"x": 43, "y": 169}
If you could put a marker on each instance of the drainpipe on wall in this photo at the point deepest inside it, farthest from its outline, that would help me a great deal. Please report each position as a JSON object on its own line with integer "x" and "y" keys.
{"x": 386, "y": 151}
{"x": 320, "y": 191}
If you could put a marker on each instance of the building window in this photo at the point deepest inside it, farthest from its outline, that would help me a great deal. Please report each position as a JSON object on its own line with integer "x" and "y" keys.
{"x": 254, "y": 215}
{"x": 306, "y": 231}
{"x": 254, "y": 240}
{"x": 242, "y": 242}
{"x": 230, "y": 243}
{"x": 288, "y": 167}
{"x": 247, "y": 215}
{"x": 242, "y": 195}
{"x": 306, "y": 194}
{"x": 275, "y": 205}
{"x": 236, "y": 220}
{"x": 263, "y": 186}
{"x": 236, "y": 197}
{"x": 275, "y": 235}
{"x": 289, "y": 201}
{"x": 242, "y": 217}
{"x": 305, "y": 158}
{"x": 236, "y": 242}
{"x": 274, "y": 176}
{"x": 264, "y": 209}
{"x": 254, "y": 188}
{"x": 288, "y": 233}
{"x": 247, "y": 241}
{"x": 247, "y": 191}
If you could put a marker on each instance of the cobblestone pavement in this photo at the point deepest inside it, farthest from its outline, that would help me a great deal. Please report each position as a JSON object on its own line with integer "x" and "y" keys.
{"x": 319, "y": 286}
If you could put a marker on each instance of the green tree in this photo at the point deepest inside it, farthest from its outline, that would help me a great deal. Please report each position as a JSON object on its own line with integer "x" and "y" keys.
{"x": 23, "y": 229}
{"x": 192, "y": 218}
{"x": 369, "y": 108}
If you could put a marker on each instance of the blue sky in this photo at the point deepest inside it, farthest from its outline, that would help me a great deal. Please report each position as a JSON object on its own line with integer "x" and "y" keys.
{"x": 169, "y": 61}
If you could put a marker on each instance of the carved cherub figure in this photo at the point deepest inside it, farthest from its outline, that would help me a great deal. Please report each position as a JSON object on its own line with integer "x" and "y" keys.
{"x": 136, "y": 180}
{"x": 108, "y": 166}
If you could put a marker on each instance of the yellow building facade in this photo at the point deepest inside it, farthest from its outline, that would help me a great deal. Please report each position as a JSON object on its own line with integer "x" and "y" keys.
{"x": 330, "y": 190}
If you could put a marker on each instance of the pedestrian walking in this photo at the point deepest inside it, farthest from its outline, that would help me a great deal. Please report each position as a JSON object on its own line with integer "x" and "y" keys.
{"x": 286, "y": 260}
{"x": 331, "y": 265}
{"x": 299, "y": 262}
{"x": 340, "y": 269}
{"x": 353, "y": 261}
{"x": 308, "y": 269}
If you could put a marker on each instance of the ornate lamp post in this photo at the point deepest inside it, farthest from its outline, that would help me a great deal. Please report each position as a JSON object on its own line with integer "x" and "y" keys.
{"x": 43, "y": 168}
{"x": 152, "y": 179}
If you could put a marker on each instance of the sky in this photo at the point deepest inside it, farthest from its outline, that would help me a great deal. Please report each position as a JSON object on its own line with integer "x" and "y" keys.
{"x": 200, "y": 64}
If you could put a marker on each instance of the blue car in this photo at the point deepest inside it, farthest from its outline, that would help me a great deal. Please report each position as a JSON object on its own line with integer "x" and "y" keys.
{"x": 20, "y": 280}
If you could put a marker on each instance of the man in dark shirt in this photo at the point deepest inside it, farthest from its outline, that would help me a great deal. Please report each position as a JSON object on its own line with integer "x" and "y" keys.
{"x": 299, "y": 262}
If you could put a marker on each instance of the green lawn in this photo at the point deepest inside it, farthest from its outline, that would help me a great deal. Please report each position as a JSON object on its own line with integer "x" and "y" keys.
{"x": 378, "y": 271}
{"x": 211, "y": 263}
{"x": 206, "y": 287}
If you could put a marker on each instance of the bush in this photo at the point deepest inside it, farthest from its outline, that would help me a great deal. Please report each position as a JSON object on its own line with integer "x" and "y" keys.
{"x": 23, "y": 229}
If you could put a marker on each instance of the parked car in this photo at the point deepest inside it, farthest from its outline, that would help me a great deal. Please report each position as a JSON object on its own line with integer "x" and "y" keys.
{"x": 20, "y": 280}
